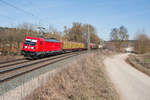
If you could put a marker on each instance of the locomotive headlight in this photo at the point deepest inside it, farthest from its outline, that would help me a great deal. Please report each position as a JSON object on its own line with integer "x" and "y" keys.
{"x": 25, "y": 47}
{"x": 33, "y": 48}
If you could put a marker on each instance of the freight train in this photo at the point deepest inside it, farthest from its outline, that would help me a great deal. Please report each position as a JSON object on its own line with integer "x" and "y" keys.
{"x": 34, "y": 47}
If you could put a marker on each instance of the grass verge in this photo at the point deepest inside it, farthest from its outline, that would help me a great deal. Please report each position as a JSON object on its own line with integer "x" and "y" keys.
{"x": 140, "y": 62}
{"x": 83, "y": 79}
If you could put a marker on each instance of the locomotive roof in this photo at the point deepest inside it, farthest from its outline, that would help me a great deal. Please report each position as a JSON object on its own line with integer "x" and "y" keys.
{"x": 45, "y": 39}
{"x": 51, "y": 40}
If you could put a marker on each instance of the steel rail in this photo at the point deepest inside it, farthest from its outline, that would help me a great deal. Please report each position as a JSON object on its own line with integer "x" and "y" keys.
{"x": 6, "y": 69}
{"x": 20, "y": 61}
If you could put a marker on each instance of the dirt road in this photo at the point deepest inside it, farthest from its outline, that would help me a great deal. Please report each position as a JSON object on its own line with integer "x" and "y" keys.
{"x": 130, "y": 83}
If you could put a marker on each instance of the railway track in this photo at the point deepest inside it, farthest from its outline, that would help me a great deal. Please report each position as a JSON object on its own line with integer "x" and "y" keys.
{"x": 9, "y": 61}
{"x": 14, "y": 62}
{"x": 12, "y": 71}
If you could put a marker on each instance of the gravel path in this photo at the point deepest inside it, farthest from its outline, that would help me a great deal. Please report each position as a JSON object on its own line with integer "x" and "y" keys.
{"x": 129, "y": 82}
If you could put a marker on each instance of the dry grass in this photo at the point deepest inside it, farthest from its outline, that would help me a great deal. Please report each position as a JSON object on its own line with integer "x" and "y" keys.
{"x": 140, "y": 62}
{"x": 83, "y": 79}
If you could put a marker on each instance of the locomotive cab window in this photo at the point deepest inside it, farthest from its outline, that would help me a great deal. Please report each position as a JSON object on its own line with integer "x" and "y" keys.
{"x": 33, "y": 42}
{"x": 30, "y": 42}
{"x": 27, "y": 41}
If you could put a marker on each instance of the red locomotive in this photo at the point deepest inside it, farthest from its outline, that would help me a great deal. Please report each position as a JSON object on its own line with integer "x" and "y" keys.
{"x": 39, "y": 47}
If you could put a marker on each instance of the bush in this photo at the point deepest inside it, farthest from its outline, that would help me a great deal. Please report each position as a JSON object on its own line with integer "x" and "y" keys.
{"x": 142, "y": 44}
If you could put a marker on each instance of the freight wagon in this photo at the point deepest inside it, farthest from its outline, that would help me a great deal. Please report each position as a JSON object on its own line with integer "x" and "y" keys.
{"x": 72, "y": 46}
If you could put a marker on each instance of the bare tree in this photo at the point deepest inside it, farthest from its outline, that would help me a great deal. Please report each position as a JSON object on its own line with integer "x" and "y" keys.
{"x": 123, "y": 33}
{"x": 119, "y": 36}
{"x": 53, "y": 33}
{"x": 11, "y": 38}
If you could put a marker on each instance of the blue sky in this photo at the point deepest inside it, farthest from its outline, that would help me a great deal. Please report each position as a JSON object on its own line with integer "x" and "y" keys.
{"x": 102, "y": 14}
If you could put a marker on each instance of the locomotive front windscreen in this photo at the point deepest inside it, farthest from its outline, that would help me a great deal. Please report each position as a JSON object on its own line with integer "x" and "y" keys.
{"x": 31, "y": 42}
